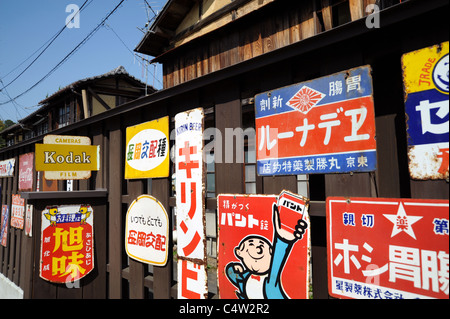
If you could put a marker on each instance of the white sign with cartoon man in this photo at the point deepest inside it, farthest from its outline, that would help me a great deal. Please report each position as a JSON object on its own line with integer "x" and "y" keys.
{"x": 264, "y": 245}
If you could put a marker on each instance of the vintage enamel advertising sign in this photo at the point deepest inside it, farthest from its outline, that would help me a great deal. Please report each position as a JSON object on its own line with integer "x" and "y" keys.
{"x": 17, "y": 211}
{"x": 190, "y": 201}
{"x": 425, "y": 79}
{"x": 263, "y": 246}
{"x": 326, "y": 125}
{"x": 387, "y": 248}
{"x": 67, "y": 243}
{"x": 7, "y": 167}
{"x": 29, "y": 220}
{"x": 147, "y": 231}
{"x": 4, "y": 225}
{"x": 147, "y": 150}
{"x": 26, "y": 162}
{"x": 64, "y": 157}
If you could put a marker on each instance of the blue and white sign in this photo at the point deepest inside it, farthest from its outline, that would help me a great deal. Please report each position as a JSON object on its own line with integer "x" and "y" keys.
{"x": 7, "y": 167}
{"x": 326, "y": 125}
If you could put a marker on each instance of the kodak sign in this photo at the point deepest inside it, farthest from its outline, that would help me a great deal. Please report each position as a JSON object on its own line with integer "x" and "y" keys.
{"x": 67, "y": 157}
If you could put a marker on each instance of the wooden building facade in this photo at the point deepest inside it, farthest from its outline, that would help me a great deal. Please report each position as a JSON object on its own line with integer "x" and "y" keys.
{"x": 218, "y": 55}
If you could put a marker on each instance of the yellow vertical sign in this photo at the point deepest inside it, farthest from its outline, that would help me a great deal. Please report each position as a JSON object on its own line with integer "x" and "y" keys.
{"x": 147, "y": 150}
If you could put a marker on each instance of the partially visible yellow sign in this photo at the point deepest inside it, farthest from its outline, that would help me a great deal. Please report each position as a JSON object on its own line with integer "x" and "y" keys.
{"x": 64, "y": 157}
{"x": 146, "y": 153}
{"x": 419, "y": 69}
{"x": 426, "y": 91}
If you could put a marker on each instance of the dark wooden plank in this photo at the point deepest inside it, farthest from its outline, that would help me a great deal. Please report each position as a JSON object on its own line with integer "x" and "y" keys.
{"x": 94, "y": 285}
{"x": 319, "y": 272}
{"x": 275, "y": 184}
{"x": 354, "y": 185}
{"x": 98, "y": 193}
{"x": 437, "y": 189}
{"x": 162, "y": 276}
{"x": 115, "y": 211}
{"x": 12, "y": 249}
{"x": 17, "y": 259}
{"x": 229, "y": 176}
{"x": 137, "y": 275}
{"x": 135, "y": 188}
{"x": 28, "y": 251}
{"x": 27, "y": 261}
{"x": 387, "y": 174}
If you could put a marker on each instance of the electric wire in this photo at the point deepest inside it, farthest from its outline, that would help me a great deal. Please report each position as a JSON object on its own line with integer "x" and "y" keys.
{"x": 67, "y": 56}
{"x": 134, "y": 54}
{"x": 42, "y": 52}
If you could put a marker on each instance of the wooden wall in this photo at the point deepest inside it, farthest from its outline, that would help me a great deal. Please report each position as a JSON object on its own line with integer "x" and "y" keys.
{"x": 227, "y": 101}
{"x": 275, "y": 26}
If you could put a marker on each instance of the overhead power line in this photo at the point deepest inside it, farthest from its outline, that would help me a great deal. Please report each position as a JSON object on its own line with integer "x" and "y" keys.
{"x": 147, "y": 62}
{"x": 67, "y": 56}
{"x": 42, "y": 52}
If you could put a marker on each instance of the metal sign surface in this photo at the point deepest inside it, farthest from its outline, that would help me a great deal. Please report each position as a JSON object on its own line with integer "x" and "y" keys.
{"x": 26, "y": 162}
{"x": 426, "y": 88}
{"x": 263, "y": 246}
{"x": 147, "y": 231}
{"x": 67, "y": 243}
{"x": 17, "y": 211}
{"x": 326, "y": 125}
{"x": 4, "y": 225}
{"x": 387, "y": 248}
{"x": 190, "y": 203}
{"x": 29, "y": 220}
{"x": 64, "y": 157}
{"x": 7, "y": 167}
{"x": 147, "y": 150}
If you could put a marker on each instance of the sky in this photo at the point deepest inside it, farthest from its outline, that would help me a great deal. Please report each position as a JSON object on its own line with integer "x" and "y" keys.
{"x": 25, "y": 25}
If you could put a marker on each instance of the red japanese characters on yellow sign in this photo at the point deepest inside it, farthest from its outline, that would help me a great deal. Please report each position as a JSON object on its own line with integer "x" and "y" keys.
{"x": 67, "y": 243}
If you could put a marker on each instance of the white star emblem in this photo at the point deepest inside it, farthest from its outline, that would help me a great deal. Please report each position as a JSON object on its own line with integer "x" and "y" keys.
{"x": 402, "y": 222}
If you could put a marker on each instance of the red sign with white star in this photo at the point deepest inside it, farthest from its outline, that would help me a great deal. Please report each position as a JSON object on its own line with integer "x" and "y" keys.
{"x": 388, "y": 248}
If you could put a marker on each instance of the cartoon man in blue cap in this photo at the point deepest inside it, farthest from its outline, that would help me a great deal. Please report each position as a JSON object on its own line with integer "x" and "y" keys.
{"x": 258, "y": 275}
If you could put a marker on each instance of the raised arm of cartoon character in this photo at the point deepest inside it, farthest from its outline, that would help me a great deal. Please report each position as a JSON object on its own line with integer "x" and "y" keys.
{"x": 258, "y": 275}
{"x": 283, "y": 241}
{"x": 287, "y": 236}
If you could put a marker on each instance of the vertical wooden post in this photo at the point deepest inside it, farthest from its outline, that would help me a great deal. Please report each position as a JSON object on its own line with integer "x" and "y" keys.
{"x": 162, "y": 276}
{"x": 115, "y": 210}
{"x": 96, "y": 288}
{"x": 229, "y": 176}
{"x": 136, "y": 280}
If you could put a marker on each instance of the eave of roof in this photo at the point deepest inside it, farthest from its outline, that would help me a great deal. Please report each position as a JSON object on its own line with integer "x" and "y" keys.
{"x": 162, "y": 37}
{"x": 168, "y": 19}
{"x": 120, "y": 70}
